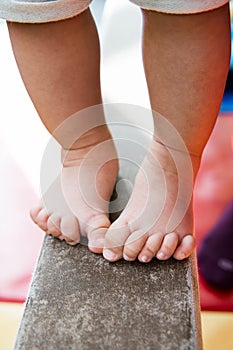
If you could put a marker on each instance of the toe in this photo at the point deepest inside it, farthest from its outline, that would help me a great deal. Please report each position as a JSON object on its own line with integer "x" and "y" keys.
{"x": 151, "y": 247}
{"x": 70, "y": 229}
{"x": 96, "y": 242}
{"x": 134, "y": 244}
{"x": 42, "y": 219}
{"x": 185, "y": 248}
{"x": 168, "y": 246}
{"x": 114, "y": 241}
{"x": 98, "y": 228}
{"x": 53, "y": 224}
{"x": 35, "y": 211}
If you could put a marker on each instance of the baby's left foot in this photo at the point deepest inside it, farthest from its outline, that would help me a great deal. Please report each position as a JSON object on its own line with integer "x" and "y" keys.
{"x": 77, "y": 203}
{"x": 158, "y": 220}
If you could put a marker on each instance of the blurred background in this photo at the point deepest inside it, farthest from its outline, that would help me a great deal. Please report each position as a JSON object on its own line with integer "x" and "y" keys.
{"x": 23, "y": 140}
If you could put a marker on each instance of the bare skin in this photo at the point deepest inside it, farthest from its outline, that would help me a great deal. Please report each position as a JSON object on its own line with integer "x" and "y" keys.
{"x": 64, "y": 79}
{"x": 186, "y": 59}
{"x": 77, "y": 204}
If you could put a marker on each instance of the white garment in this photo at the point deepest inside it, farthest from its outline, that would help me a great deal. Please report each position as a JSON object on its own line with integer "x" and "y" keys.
{"x": 39, "y": 11}
{"x": 180, "y": 6}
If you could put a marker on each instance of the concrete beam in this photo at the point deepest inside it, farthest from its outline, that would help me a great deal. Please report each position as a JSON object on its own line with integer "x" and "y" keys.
{"x": 78, "y": 300}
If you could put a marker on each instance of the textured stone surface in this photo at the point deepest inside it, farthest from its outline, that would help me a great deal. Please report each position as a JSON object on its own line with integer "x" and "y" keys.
{"x": 80, "y": 301}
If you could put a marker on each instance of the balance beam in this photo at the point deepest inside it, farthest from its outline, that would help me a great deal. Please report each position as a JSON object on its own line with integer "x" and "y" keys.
{"x": 78, "y": 300}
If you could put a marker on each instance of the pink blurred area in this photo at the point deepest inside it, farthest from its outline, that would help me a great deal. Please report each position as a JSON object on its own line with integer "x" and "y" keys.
{"x": 213, "y": 191}
{"x": 20, "y": 239}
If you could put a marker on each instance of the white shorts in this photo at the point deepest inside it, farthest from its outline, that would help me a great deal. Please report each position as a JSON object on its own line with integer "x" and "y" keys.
{"x": 41, "y": 11}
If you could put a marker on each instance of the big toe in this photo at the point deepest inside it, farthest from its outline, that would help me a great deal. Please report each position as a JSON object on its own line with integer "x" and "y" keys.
{"x": 114, "y": 241}
{"x": 96, "y": 232}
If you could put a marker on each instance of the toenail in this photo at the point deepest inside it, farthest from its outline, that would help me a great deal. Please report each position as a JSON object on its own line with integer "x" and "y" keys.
{"x": 182, "y": 256}
{"x": 144, "y": 258}
{"x": 161, "y": 255}
{"x": 128, "y": 258}
{"x": 108, "y": 254}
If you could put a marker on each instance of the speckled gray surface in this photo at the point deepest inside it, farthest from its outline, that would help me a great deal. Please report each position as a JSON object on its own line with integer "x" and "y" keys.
{"x": 80, "y": 301}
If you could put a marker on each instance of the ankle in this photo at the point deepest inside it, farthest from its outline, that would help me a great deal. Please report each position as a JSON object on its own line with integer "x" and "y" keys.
{"x": 92, "y": 137}
{"x": 171, "y": 158}
{"x": 94, "y": 147}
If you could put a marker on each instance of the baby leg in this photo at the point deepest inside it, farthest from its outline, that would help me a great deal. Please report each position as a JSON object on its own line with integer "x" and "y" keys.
{"x": 59, "y": 62}
{"x": 186, "y": 61}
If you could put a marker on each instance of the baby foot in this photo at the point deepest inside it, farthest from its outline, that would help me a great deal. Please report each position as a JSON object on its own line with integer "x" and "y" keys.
{"x": 77, "y": 203}
{"x": 158, "y": 220}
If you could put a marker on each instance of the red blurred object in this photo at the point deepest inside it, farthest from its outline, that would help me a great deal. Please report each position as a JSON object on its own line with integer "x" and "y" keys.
{"x": 213, "y": 191}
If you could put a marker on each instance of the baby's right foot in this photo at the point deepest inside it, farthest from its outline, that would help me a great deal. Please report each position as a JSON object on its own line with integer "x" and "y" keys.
{"x": 158, "y": 219}
{"x": 77, "y": 203}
